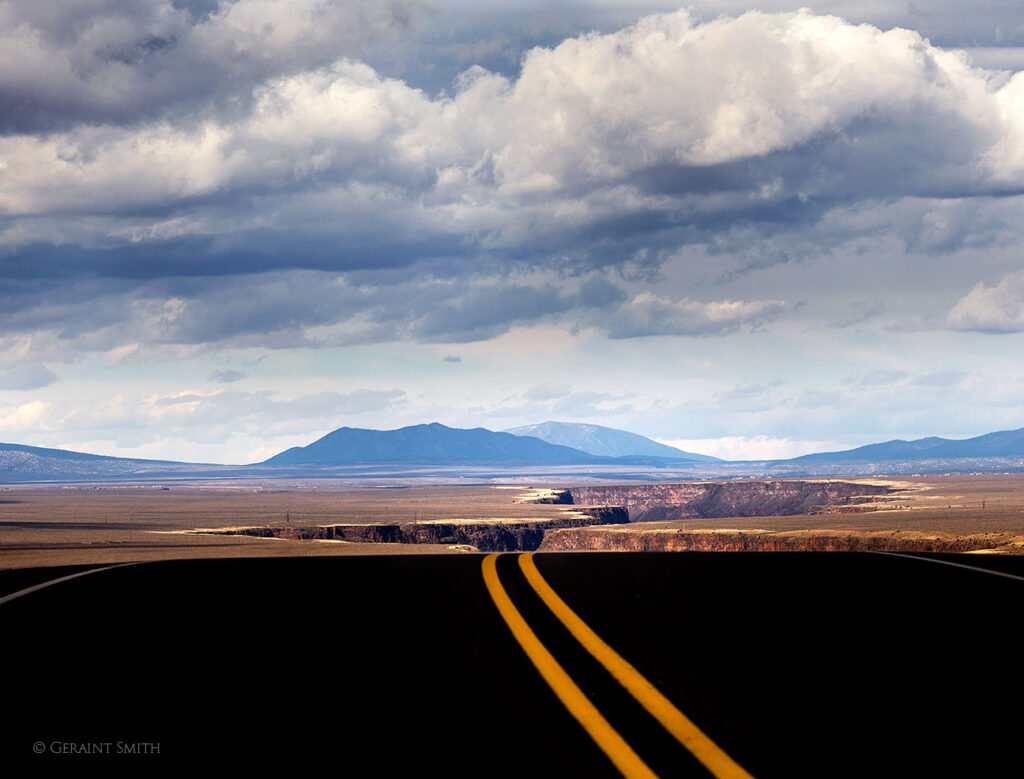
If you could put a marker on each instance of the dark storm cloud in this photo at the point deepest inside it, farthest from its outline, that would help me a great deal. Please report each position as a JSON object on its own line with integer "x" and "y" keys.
{"x": 485, "y": 312}
{"x": 283, "y": 310}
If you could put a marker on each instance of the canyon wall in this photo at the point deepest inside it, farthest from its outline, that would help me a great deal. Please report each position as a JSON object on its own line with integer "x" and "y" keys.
{"x": 618, "y": 505}
{"x": 705, "y": 500}
{"x": 651, "y": 540}
{"x": 487, "y": 536}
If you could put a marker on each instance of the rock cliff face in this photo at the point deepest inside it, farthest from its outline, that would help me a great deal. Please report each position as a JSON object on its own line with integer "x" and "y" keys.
{"x": 636, "y": 540}
{"x": 617, "y": 506}
{"x": 705, "y": 500}
{"x": 490, "y": 536}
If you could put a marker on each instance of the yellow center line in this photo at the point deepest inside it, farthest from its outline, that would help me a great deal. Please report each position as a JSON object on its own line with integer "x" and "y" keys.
{"x": 646, "y": 694}
{"x": 571, "y": 696}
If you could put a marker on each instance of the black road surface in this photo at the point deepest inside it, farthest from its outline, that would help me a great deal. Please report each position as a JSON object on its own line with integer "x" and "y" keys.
{"x": 795, "y": 665}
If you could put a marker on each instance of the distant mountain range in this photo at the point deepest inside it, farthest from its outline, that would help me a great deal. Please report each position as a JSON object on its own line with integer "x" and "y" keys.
{"x": 595, "y": 448}
{"x": 604, "y": 441}
{"x": 17, "y": 460}
{"x": 433, "y": 443}
{"x": 1007, "y": 443}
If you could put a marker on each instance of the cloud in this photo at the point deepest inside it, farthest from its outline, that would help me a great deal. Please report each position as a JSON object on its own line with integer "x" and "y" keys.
{"x": 649, "y": 314}
{"x": 549, "y": 391}
{"x": 296, "y": 197}
{"x": 812, "y": 398}
{"x": 483, "y": 311}
{"x": 27, "y": 377}
{"x": 27, "y": 416}
{"x": 860, "y": 311}
{"x": 760, "y": 447}
{"x": 940, "y": 379}
{"x": 559, "y": 400}
{"x": 63, "y": 62}
{"x": 757, "y": 116}
{"x": 877, "y": 378}
{"x": 995, "y": 309}
{"x": 227, "y": 376}
{"x": 277, "y": 310}
{"x": 208, "y": 417}
{"x": 586, "y": 404}
{"x": 453, "y": 358}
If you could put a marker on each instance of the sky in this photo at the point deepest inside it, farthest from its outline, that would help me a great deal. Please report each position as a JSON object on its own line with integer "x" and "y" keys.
{"x": 748, "y": 229}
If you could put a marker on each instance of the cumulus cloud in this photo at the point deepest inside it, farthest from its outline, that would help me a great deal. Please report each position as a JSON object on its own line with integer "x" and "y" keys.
{"x": 25, "y": 416}
{"x": 995, "y": 309}
{"x": 665, "y": 117}
{"x": 106, "y": 61}
{"x": 267, "y": 205}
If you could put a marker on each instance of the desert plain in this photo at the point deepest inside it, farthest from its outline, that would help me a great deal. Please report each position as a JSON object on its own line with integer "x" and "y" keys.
{"x": 89, "y": 524}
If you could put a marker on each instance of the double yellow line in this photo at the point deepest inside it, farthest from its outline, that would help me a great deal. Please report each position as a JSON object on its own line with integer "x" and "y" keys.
{"x": 646, "y": 694}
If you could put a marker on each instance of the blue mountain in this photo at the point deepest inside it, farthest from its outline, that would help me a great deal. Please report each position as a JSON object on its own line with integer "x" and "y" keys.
{"x": 434, "y": 444}
{"x": 605, "y": 441}
{"x": 1006, "y": 443}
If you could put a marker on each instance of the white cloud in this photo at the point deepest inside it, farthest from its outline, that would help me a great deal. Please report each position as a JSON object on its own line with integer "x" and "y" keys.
{"x": 639, "y": 115}
{"x": 549, "y": 391}
{"x": 199, "y": 415}
{"x": 106, "y": 61}
{"x": 758, "y": 447}
{"x": 26, "y": 416}
{"x": 995, "y": 309}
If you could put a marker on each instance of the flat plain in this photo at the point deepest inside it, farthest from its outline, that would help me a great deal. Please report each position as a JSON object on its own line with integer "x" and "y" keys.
{"x": 56, "y": 525}
{"x": 102, "y": 523}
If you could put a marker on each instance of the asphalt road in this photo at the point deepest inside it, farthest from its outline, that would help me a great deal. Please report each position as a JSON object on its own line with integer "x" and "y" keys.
{"x": 792, "y": 665}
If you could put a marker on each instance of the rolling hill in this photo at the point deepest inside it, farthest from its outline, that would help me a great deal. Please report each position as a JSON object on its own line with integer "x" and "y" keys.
{"x": 18, "y": 462}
